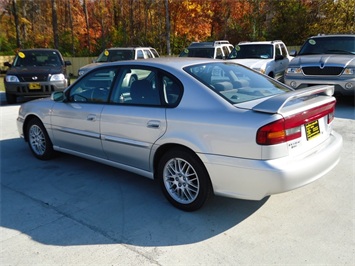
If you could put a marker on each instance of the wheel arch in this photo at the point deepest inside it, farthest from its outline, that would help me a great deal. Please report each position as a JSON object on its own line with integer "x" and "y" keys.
{"x": 271, "y": 74}
{"x": 169, "y": 146}
{"x": 25, "y": 125}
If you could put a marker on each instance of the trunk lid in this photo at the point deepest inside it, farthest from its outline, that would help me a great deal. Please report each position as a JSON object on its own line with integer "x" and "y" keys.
{"x": 305, "y": 124}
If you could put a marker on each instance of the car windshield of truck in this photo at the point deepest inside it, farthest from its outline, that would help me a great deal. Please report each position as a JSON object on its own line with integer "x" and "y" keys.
{"x": 115, "y": 55}
{"x": 37, "y": 58}
{"x": 245, "y": 51}
{"x": 329, "y": 45}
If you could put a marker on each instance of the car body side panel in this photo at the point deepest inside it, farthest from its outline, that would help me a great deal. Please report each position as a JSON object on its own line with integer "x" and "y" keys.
{"x": 128, "y": 133}
{"x": 76, "y": 126}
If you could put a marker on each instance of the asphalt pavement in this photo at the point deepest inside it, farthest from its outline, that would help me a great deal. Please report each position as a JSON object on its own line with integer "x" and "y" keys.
{"x": 71, "y": 211}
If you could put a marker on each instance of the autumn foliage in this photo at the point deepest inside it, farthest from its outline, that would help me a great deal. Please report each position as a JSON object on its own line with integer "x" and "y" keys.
{"x": 86, "y": 27}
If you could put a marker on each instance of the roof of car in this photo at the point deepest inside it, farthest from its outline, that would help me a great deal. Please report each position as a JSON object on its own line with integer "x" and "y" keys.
{"x": 39, "y": 49}
{"x": 261, "y": 42}
{"x": 173, "y": 62}
{"x": 209, "y": 44}
{"x": 129, "y": 48}
{"x": 332, "y": 35}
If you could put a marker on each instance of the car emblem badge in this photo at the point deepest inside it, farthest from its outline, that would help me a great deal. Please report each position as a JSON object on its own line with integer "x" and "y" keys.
{"x": 34, "y": 78}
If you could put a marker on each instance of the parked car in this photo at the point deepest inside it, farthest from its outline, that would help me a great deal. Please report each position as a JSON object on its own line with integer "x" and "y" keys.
{"x": 198, "y": 126}
{"x": 120, "y": 53}
{"x": 325, "y": 59}
{"x": 269, "y": 57}
{"x": 35, "y": 73}
{"x": 217, "y": 49}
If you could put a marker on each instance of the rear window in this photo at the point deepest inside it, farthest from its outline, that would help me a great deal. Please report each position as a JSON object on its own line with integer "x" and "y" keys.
{"x": 259, "y": 51}
{"x": 201, "y": 52}
{"x": 115, "y": 55}
{"x": 234, "y": 82}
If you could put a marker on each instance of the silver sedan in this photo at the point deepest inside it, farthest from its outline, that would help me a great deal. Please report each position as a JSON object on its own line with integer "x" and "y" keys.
{"x": 198, "y": 126}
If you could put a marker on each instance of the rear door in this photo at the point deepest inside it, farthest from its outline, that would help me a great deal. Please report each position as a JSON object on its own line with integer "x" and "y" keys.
{"x": 135, "y": 119}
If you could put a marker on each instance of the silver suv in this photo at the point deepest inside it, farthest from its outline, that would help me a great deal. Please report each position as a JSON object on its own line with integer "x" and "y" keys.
{"x": 268, "y": 57}
{"x": 217, "y": 49}
{"x": 121, "y": 53}
{"x": 324, "y": 60}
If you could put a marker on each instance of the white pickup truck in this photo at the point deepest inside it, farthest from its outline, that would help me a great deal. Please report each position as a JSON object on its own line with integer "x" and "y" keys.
{"x": 269, "y": 57}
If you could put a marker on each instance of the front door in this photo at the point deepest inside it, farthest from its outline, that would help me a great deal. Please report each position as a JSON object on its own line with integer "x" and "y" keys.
{"x": 76, "y": 121}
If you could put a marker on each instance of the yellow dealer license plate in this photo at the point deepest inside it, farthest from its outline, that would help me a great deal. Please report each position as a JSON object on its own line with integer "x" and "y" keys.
{"x": 34, "y": 86}
{"x": 312, "y": 129}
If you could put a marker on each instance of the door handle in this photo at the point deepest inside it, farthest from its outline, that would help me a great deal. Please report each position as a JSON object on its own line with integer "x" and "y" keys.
{"x": 91, "y": 117}
{"x": 153, "y": 124}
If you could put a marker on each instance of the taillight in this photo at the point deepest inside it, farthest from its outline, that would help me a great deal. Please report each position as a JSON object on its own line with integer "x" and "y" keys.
{"x": 289, "y": 128}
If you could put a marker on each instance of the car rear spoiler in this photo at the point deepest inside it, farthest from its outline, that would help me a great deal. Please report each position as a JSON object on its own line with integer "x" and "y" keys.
{"x": 274, "y": 104}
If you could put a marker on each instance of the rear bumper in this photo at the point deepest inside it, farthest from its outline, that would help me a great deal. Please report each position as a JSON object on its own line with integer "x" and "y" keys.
{"x": 255, "y": 179}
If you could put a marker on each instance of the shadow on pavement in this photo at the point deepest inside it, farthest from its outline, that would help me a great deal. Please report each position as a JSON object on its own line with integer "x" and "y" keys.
{"x": 73, "y": 201}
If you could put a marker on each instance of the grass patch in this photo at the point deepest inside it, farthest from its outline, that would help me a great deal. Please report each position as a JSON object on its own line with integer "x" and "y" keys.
{"x": 2, "y": 85}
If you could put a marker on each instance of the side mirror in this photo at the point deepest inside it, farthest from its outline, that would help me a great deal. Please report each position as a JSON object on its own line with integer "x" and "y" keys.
{"x": 58, "y": 96}
{"x": 67, "y": 63}
{"x": 8, "y": 64}
{"x": 293, "y": 53}
{"x": 279, "y": 57}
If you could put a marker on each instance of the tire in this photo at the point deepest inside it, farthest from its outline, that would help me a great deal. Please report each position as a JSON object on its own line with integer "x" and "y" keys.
{"x": 38, "y": 140}
{"x": 11, "y": 98}
{"x": 184, "y": 179}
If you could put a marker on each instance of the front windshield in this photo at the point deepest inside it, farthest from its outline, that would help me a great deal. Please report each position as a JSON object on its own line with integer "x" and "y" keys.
{"x": 234, "y": 82}
{"x": 115, "y": 55}
{"x": 245, "y": 51}
{"x": 329, "y": 45}
{"x": 37, "y": 58}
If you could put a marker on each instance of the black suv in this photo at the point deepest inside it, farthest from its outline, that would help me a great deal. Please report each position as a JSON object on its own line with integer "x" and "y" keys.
{"x": 35, "y": 73}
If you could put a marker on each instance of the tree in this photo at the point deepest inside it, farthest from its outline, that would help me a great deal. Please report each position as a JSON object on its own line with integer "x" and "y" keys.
{"x": 167, "y": 19}
{"x": 85, "y": 27}
{"x": 17, "y": 24}
{"x": 55, "y": 24}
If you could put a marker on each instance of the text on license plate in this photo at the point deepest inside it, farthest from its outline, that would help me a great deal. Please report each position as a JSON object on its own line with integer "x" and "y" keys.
{"x": 34, "y": 86}
{"x": 312, "y": 129}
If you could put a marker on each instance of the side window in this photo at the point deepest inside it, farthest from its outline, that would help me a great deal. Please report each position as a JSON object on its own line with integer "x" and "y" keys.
{"x": 225, "y": 50}
{"x": 219, "y": 53}
{"x": 148, "y": 54}
{"x": 137, "y": 86}
{"x": 140, "y": 54}
{"x": 283, "y": 50}
{"x": 277, "y": 50}
{"x": 94, "y": 87}
{"x": 154, "y": 52}
{"x": 172, "y": 90}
